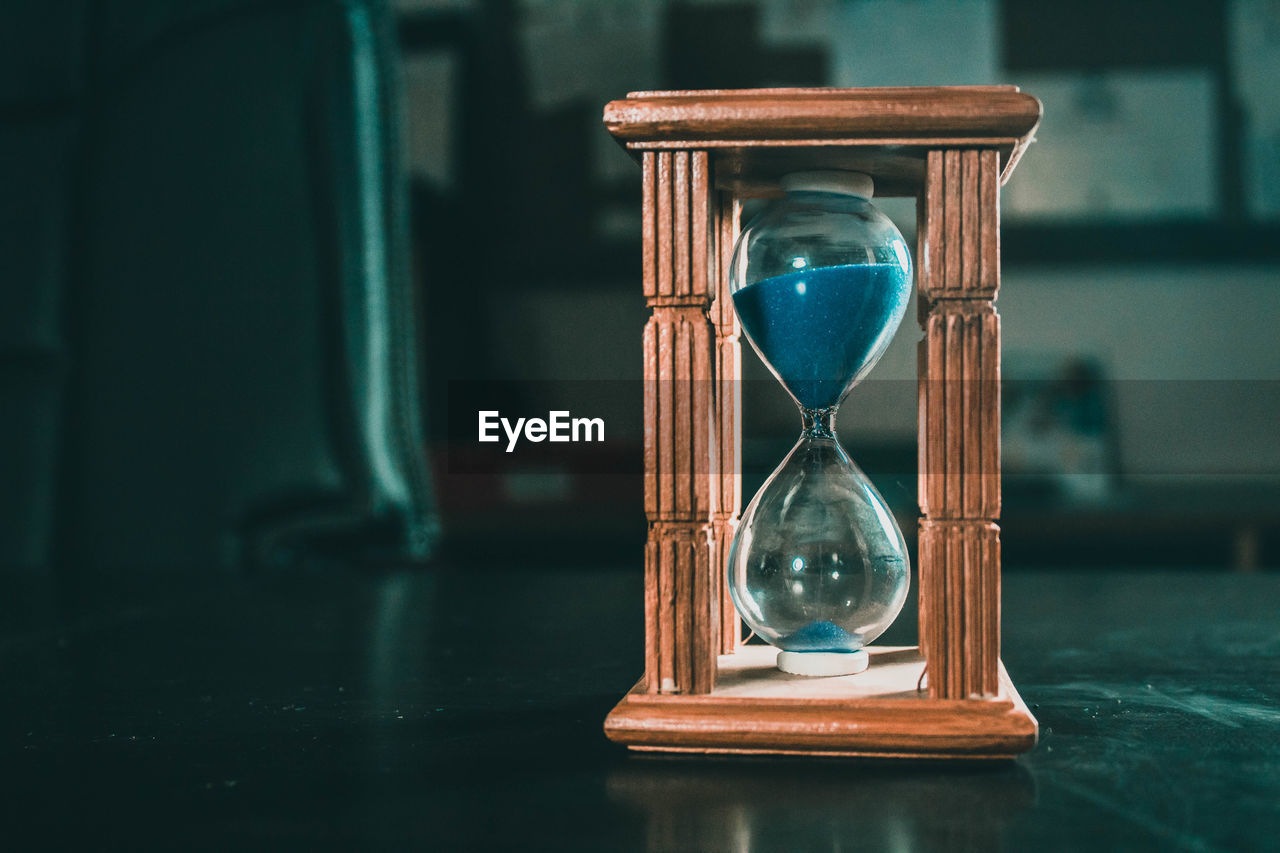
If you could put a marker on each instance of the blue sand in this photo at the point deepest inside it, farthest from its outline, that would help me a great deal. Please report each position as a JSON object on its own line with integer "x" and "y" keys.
{"x": 820, "y": 328}
{"x": 820, "y": 637}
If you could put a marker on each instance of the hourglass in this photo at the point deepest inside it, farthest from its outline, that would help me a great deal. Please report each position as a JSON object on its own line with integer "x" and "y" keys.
{"x": 816, "y": 566}
{"x": 819, "y": 281}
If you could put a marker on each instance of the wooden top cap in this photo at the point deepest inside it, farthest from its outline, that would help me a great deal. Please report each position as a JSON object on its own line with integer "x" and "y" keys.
{"x": 926, "y": 113}
{"x": 759, "y": 134}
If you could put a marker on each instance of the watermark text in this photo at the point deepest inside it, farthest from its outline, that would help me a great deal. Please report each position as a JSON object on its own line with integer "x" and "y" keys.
{"x": 559, "y": 426}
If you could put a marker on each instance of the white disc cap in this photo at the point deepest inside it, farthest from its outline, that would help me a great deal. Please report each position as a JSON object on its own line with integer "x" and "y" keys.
{"x": 823, "y": 663}
{"x": 845, "y": 183}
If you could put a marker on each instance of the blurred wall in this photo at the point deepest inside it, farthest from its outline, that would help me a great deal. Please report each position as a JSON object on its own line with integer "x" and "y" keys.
{"x": 1133, "y": 143}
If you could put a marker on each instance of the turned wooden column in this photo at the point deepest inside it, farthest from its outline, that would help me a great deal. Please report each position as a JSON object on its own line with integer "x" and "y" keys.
{"x": 683, "y": 590}
{"x": 958, "y": 276}
{"x": 728, "y": 401}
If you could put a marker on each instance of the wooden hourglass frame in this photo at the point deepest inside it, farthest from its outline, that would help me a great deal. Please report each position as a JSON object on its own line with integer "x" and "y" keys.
{"x": 702, "y": 152}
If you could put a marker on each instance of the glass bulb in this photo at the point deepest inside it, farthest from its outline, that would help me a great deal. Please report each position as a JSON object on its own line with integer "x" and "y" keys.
{"x": 820, "y": 281}
{"x": 818, "y": 564}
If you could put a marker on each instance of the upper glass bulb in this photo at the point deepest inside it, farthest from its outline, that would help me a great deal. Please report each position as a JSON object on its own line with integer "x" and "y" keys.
{"x": 820, "y": 281}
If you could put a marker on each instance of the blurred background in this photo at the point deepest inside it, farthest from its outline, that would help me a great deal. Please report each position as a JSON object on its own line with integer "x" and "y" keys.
{"x": 261, "y": 262}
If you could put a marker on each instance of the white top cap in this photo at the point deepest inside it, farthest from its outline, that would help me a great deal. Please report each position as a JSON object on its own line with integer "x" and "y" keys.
{"x": 845, "y": 183}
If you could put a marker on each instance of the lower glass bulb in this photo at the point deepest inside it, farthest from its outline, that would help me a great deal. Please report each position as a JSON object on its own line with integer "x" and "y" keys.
{"x": 818, "y": 564}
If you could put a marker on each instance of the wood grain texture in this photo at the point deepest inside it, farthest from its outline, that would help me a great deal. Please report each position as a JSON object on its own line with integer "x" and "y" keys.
{"x": 682, "y": 627}
{"x": 755, "y": 136}
{"x": 962, "y": 588}
{"x": 999, "y": 727}
{"x": 677, "y": 223}
{"x": 958, "y": 277}
{"x": 959, "y": 411}
{"x": 769, "y": 115}
{"x": 679, "y": 345}
{"x": 681, "y": 441}
{"x": 958, "y": 252}
{"x": 728, "y": 411}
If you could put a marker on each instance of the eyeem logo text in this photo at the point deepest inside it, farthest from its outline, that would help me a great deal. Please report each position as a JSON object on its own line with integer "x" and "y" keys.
{"x": 558, "y": 427}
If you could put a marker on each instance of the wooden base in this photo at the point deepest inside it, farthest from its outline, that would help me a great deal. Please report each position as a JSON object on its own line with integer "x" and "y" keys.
{"x": 756, "y": 709}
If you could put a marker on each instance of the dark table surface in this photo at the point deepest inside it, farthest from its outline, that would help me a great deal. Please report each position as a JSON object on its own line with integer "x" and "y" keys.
{"x": 461, "y": 707}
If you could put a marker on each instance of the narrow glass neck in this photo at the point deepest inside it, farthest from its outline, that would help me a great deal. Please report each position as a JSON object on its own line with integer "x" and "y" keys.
{"x": 818, "y": 423}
